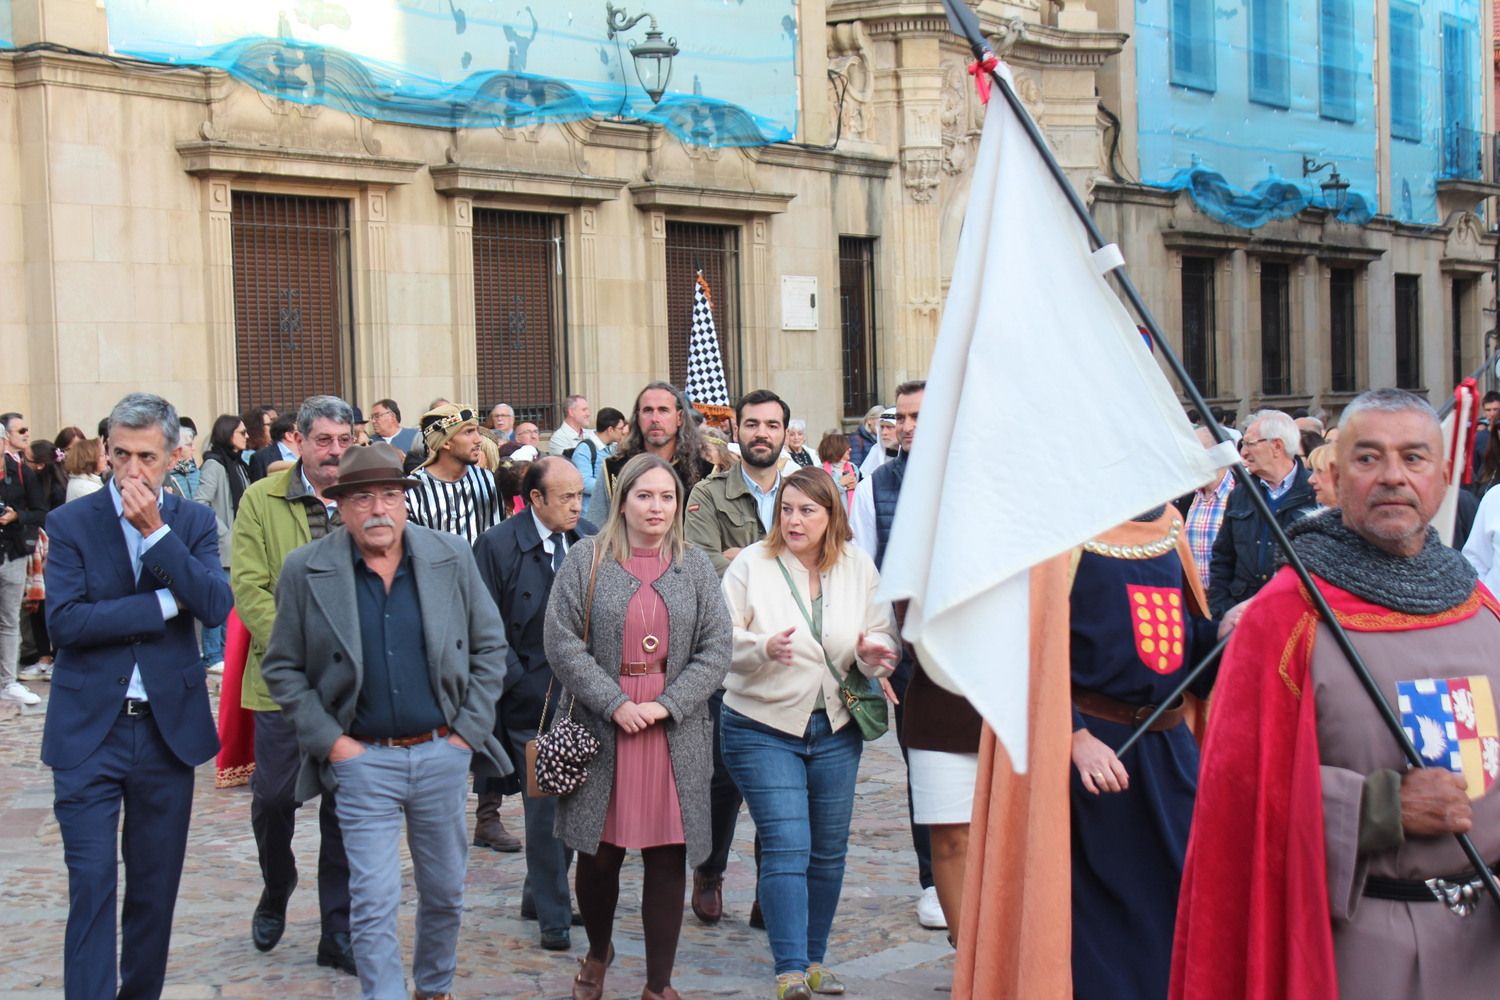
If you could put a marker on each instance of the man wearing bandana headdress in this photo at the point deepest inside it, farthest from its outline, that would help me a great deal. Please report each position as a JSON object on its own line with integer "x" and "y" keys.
{"x": 1320, "y": 865}
{"x": 455, "y": 493}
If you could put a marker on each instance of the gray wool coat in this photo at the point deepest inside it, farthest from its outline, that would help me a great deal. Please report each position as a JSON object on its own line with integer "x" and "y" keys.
{"x": 702, "y": 639}
{"x": 314, "y": 664}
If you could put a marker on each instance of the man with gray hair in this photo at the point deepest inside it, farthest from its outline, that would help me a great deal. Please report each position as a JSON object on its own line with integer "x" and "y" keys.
{"x": 1306, "y": 806}
{"x": 129, "y": 569}
{"x": 279, "y": 514}
{"x": 576, "y": 417}
{"x": 1244, "y": 556}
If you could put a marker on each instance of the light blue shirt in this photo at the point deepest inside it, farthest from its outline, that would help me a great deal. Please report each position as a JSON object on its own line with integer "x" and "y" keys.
{"x": 1279, "y": 490}
{"x": 287, "y": 454}
{"x": 137, "y": 546}
{"x": 765, "y": 503}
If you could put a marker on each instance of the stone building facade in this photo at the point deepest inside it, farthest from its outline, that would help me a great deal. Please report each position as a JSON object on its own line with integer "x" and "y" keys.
{"x": 1276, "y": 289}
{"x": 172, "y": 229}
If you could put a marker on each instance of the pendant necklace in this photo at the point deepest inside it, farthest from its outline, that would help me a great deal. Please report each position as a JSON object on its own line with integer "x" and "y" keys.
{"x": 650, "y": 642}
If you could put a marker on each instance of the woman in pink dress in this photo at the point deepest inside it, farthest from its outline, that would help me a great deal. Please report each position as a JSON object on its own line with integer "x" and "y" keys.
{"x": 658, "y": 644}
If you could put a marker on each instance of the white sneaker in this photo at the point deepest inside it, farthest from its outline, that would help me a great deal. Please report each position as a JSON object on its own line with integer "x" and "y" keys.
{"x": 35, "y": 672}
{"x": 930, "y": 911}
{"x": 216, "y": 668}
{"x": 15, "y": 692}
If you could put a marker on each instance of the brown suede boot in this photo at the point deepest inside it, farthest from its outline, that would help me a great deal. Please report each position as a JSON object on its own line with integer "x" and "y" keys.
{"x": 589, "y": 983}
{"x": 667, "y": 994}
{"x": 488, "y": 830}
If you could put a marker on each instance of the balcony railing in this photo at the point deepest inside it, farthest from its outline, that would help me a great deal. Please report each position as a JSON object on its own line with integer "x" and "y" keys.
{"x": 1470, "y": 155}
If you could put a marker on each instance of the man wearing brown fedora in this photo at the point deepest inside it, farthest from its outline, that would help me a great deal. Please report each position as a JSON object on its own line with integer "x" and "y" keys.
{"x": 388, "y": 656}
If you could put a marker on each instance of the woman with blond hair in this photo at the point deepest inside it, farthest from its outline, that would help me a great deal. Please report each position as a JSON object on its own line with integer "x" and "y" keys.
{"x": 637, "y": 631}
{"x": 1318, "y": 461}
{"x": 805, "y": 617}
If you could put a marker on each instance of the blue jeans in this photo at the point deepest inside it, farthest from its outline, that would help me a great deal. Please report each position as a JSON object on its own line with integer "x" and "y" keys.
{"x": 428, "y": 786}
{"x": 800, "y": 790}
{"x": 213, "y": 638}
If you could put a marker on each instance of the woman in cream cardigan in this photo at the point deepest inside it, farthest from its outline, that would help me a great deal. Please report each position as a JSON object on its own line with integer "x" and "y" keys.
{"x": 789, "y": 743}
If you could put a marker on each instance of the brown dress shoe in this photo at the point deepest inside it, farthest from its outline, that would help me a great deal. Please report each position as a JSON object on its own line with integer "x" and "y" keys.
{"x": 589, "y": 983}
{"x": 416, "y": 995}
{"x": 708, "y": 897}
{"x": 667, "y": 994}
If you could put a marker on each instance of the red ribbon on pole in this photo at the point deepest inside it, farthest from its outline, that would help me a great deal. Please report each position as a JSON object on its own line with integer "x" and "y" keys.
{"x": 1468, "y": 387}
{"x": 981, "y": 71}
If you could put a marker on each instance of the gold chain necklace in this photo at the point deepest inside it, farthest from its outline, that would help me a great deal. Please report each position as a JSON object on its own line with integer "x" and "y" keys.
{"x": 1148, "y": 551}
{"x": 649, "y": 642}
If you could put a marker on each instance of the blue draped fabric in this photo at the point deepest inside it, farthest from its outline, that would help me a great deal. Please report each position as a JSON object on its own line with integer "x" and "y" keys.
{"x": 481, "y": 64}
{"x": 1272, "y": 198}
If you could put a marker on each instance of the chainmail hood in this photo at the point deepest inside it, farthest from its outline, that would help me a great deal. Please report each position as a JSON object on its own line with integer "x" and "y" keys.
{"x": 1434, "y": 580}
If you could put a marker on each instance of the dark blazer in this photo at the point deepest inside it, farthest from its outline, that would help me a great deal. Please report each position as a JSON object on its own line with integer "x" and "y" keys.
{"x": 103, "y": 622}
{"x": 262, "y": 460}
{"x": 1244, "y": 556}
{"x": 518, "y": 573}
{"x": 23, "y": 489}
{"x": 314, "y": 665}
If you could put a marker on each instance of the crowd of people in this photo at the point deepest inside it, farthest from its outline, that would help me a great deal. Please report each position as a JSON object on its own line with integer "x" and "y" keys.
{"x": 674, "y": 616}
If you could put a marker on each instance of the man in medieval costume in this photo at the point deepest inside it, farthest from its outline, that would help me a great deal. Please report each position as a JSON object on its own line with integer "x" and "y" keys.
{"x": 1320, "y": 865}
{"x": 1136, "y": 622}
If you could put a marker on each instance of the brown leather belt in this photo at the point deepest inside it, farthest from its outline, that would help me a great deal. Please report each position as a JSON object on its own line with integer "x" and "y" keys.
{"x": 1103, "y": 707}
{"x": 441, "y": 732}
{"x": 637, "y": 668}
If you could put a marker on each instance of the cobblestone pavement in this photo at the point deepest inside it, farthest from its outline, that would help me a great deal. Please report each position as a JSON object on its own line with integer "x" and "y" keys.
{"x": 877, "y": 947}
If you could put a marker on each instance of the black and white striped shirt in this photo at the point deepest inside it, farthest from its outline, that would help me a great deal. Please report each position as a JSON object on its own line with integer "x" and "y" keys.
{"x": 468, "y": 507}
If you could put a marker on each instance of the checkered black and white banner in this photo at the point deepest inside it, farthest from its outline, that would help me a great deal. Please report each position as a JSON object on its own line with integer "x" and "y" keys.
{"x": 705, "y": 371}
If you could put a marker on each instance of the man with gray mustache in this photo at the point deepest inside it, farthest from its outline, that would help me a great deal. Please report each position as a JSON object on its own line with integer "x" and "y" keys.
{"x": 388, "y": 657}
{"x": 278, "y": 514}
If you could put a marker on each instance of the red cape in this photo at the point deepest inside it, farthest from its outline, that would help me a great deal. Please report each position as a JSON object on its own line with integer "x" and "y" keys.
{"x": 1253, "y": 919}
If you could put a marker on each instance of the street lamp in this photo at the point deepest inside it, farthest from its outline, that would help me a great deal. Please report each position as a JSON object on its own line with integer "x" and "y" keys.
{"x": 1335, "y": 188}
{"x": 653, "y": 57}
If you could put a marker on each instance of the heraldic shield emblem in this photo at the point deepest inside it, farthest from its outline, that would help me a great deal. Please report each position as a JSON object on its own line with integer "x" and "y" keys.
{"x": 1156, "y": 614}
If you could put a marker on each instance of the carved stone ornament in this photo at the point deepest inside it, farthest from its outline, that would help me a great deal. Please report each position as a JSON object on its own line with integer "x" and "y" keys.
{"x": 960, "y": 116}
{"x": 850, "y": 57}
{"x": 921, "y": 171}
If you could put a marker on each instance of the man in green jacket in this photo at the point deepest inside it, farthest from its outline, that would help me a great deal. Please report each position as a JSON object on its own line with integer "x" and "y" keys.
{"x": 726, "y": 512}
{"x": 278, "y": 515}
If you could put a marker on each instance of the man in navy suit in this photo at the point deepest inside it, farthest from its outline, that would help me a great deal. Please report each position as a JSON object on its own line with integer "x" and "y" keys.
{"x": 517, "y": 559}
{"x": 129, "y": 569}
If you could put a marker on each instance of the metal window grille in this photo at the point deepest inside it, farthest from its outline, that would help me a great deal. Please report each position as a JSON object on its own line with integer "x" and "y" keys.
{"x": 714, "y": 250}
{"x": 1341, "y": 325}
{"x": 1408, "y": 331}
{"x": 291, "y": 297}
{"x": 518, "y": 313}
{"x": 1200, "y": 323}
{"x": 857, "y": 323}
{"x": 1459, "y": 303}
{"x": 1275, "y": 329}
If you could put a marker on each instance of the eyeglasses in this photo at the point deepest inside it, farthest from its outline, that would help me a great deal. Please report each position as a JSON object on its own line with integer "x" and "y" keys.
{"x": 1247, "y": 443}
{"x": 325, "y": 441}
{"x": 377, "y": 414}
{"x": 366, "y": 500}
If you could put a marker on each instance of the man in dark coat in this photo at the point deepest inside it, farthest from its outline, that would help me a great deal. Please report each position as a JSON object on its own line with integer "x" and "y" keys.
{"x": 1244, "y": 554}
{"x": 517, "y": 560}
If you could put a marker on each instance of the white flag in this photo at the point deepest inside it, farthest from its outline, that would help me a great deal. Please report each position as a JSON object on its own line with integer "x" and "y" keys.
{"x": 1046, "y": 421}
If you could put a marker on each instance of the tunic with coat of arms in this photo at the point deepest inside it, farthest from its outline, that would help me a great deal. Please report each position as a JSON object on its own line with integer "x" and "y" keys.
{"x": 1133, "y": 634}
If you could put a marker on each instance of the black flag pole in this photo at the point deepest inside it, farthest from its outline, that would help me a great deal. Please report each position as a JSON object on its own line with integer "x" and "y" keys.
{"x": 1170, "y": 700}
{"x": 966, "y": 24}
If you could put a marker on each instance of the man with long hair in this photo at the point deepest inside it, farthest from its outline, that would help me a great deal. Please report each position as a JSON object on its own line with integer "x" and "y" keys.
{"x": 660, "y": 425}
